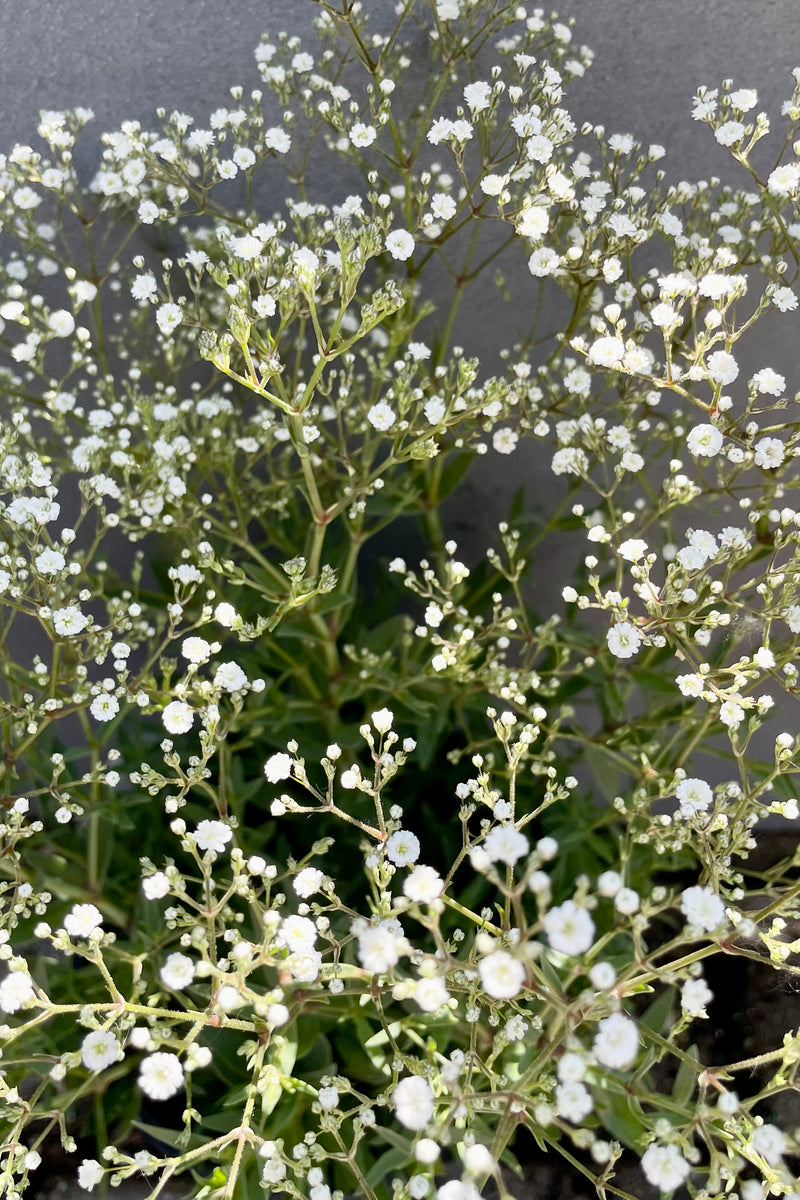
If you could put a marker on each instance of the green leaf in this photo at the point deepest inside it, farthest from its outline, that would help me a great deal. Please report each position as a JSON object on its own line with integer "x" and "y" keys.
{"x": 686, "y": 1079}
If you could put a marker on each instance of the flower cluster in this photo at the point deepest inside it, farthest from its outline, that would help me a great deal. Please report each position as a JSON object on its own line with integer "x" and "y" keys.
{"x": 401, "y": 851}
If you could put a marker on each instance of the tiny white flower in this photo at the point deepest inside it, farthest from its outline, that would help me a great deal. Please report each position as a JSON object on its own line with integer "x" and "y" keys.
{"x": 156, "y": 886}
{"x": 278, "y": 767}
{"x": 664, "y": 1167}
{"x": 230, "y": 677}
{"x": 307, "y": 882}
{"x": 212, "y": 835}
{"x": 703, "y": 908}
{"x": 617, "y": 1042}
{"x": 695, "y": 995}
{"x": 177, "y": 717}
{"x": 569, "y": 928}
{"x": 16, "y": 991}
{"x": 400, "y": 244}
{"x": 160, "y": 1075}
{"x": 506, "y": 844}
{"x": 99, "y": 1050}
{"x": 178, "y": 971}
{"x": 363, "y": 135}
{"x": 423, "y": 885}
{"x": 722, "y": 367}
{"x": 381, "y": 417}
{"x": 89, "y": 1174}
{"x": 402, "y": 848}
{"x": 502, "y": 975}
{"x": 623, "y": 639}
{"x": 169, "y": 317}
{"x": 704, "y": 440}
{"x": 413, "y": 1102}
{"x": 82, "y": 919}
{"x": 694, "y": 795}
{"x": 61, "y": 323}
{"x": 104, "y": 707}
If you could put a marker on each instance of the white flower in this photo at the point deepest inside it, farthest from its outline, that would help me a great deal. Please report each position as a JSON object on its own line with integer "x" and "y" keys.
{"x": 569, "y": 928}
{"x": 230, "y": 677}
{"x": 458, "y": 1189}
{"x": 603, "y": 976}
{"x": 533, "y": 222}
{"x": 704, "y": 440}
{"x": 362, "y": 135}
{"x": 328, "y": 1098}
{"x": 768, "y": 382}
{"x": 177, "y": 972}
{"x": 89, "y": 1174}
{"x": 402, "y": 848}
{"x": 431, "y": 994}
{"x": 306, "y": 266}
{"x": 16, "y": 991}
{"x": 156, "y": 886}
{"x": 307, "y": 882}
{"x": 729, "y": 133}
{"x": 492, "y": 185}
{"x": 769, "y": 453}
{"x": 82, "y": 919}
{"x": 400, "y": 244}
{"x": 504, "y": 441}
{"x": 784, "y": 180}
{"x": 695, "y": 796}
{"x": 297, "y": 934}
{"x": 69, "y": 621}
{"x": 278, "y": 767}
{"x": 277, "y": 139}
{"x": 607, "y": 352}
{"x": 381, "y": 416}
{"x": 543, "y": 262}
{"x": 627, "y": 901}
{"x": 695, "y": 995}
{"x": 792, "y": 618}
{"x": 664, "y": 1167}
{"x": 624, "y": 640}
{"x": 196, "y": 650}
{"x": 722, "y": 367}
{"x": 502, "y": 975}
{"x": 382, "y": 720}
{"x": 478, "y": 96}
{"x": 617, "y": 1042}
{"x": 744, "y": 99}
{"x": 104, "y": 707}
{"x": 212, "y": 835}
{"x": 633, "y": 549}
{"x": 99, "y": 1050}
{"x": 423, "y": 885}
{"x": 506, "y": 844}
{"x": 50, "y": 562}
{"x": 770, "y": 1142}
{"x": 413, "y": 1102}
{"x": 731, "y": 714}
{"x": 573, "y": 1101}
{"x": 61, "y": 323}
{"x": 378, "y": 948}
{"x": 169, "y": 317}
{"x": 443, "y": 207}
{"x": 160, "y": 1075}
{"x": 703, "y": 908}
{"x": 277, "y": 1015}
{"x": 784, "y": 299}
{"x": 177, "y": 717}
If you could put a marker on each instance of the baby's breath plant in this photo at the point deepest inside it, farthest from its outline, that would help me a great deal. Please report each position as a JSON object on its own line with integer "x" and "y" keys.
{"x": 333, "y": 864}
